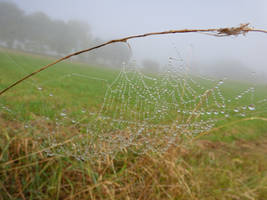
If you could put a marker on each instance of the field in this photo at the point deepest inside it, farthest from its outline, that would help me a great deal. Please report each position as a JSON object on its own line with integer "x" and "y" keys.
{"x": 86, "y": 132}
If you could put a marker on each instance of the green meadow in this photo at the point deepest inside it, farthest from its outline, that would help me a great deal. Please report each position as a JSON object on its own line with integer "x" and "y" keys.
{"x": 226, "y": 162}
{"x": 71, "y": 92}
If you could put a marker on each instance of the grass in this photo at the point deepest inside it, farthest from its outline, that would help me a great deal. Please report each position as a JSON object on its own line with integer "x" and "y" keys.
{"x": 229, "y": 163}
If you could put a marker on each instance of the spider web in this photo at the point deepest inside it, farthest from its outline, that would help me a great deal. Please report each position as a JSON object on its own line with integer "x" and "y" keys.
{"x": 137, "y": 109}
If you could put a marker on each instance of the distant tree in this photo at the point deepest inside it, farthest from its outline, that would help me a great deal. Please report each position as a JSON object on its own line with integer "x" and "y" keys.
{"x": 39, "y": 33}
{"x": 11, "y": 18}
{"x": 36, "y": 31}
{"x": 81, "y": 33}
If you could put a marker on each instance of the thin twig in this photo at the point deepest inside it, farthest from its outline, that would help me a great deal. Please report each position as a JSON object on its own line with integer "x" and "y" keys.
{"x": 221, "y": 32}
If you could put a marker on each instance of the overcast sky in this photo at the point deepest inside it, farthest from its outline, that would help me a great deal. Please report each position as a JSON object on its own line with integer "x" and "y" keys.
{"x": 110, "y": 19}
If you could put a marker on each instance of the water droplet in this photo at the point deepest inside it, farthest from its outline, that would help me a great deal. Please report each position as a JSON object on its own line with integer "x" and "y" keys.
{"x": 220, "y": 82}
{"x": 63, "y": 114}
{"x": 251, "y": 107}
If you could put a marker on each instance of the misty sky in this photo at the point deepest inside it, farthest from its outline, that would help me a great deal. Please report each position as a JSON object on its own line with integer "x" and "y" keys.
{"x": 111, "y": 19}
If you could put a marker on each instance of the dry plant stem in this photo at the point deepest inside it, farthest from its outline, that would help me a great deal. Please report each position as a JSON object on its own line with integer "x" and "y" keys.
{"x": 242, "y": 29}
{"x": 42, "y": 150}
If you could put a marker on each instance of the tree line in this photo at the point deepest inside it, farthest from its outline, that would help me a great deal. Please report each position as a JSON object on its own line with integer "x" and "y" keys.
{"x": 38, "y": 33}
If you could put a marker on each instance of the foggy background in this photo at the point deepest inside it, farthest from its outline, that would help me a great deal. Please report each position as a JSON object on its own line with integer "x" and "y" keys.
{"x": 58, "y": 27}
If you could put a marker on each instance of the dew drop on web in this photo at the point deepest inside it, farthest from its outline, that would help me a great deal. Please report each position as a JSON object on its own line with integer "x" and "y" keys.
{"x": 63, "y": 114}
{"x": 220, "y": 82}
{"x": 251, "y": 107}
{"x": 236, "y": 110}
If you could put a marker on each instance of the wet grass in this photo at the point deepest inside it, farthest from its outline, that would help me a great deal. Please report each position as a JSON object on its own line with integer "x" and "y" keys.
{"x": 228, "y": 163}
{"x": 202, "y": 169}
{"x": 53, "y": 89}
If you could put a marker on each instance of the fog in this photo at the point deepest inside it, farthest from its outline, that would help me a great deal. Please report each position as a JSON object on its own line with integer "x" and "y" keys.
{"x": 118, "y": 18}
